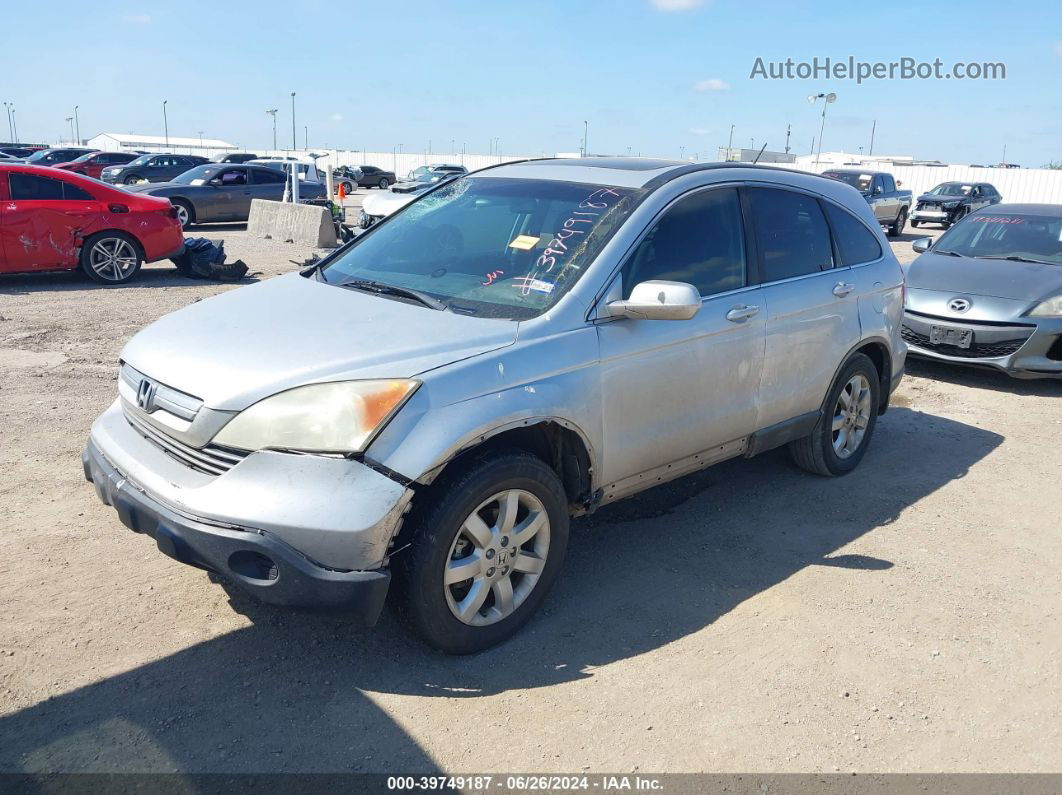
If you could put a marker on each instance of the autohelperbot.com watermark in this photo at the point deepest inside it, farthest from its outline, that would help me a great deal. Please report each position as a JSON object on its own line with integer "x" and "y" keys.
{"x": 850, "y": 68}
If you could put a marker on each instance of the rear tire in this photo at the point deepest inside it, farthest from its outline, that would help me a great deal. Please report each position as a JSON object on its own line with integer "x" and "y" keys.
{"x": 132, "y": 179}
{"x": 844, "y": 430}
{"x": 897, "y": 226}
{"x": 383, "y": 183}
{"x": 111, "y": 257}
{"x": 914, "y": 224}
{"x": 185, "y": 213}
{"x": 462, "y": 520}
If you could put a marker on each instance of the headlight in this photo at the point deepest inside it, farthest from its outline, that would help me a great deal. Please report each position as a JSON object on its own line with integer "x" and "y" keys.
{"x": 1052, "y": 307}
{"x": 340, "y": 417}
{"x": 950, "y": 205}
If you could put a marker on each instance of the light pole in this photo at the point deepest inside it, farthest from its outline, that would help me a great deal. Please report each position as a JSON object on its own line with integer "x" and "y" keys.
{"x": 293, "y": 143}
{"x": 730, "y": 143}
{"x": 77, "y": 125}
{"x": 452, "y": 147}
{"x": 306, "y": 136}
{"x": 14, "y": 123}
{"x": 166, "y": 122}
{"x": 826, "y": 100}
{"x": 586, "y": 133}
{"x": 682, "y": 152}
{"x": 10, "y": 127}
{"x": 70, "y": 121}
{"x": 273, "y": 112}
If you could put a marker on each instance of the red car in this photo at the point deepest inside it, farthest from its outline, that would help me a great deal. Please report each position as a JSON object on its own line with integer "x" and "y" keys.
{"x": 55, "y": 220}
{"x": 93, "y": 163}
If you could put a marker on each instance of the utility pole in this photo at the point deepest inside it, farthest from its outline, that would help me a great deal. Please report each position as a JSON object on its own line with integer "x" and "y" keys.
{"x": 306, "y": 137}
{"x": 730, "y": 142}
{"x": 77, "y": 125}
{"x": 10, "y": 127}
{"x": 166, "y": 122}
{"x": 586, "y": 135}
{"x": 1004, "y": 154}
{"x": 873, "y": 129}
{"x": 14, "y": 123}
{"x": 294, "y": 144}
{"x": 273, "y": 112}
{"x": 788, "y": 129}
{"x": 70, "y": 121}
{"x": 200, "y": 139}
{"x": 682, "y": 152}
{"x": 827, "y": 99}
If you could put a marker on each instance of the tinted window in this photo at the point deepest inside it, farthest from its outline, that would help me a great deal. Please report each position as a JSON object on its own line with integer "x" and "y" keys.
{"x": 233, "y": 176}
{"x": 30, "y": 186}
{"x": 263, "y": 176}
{"x": 700, "y": 241}
{"x": 792, "y": 233}
{"x": 74, "y": 193}
{"x": 855, "y": 243}
{"x": 888, "y": 182}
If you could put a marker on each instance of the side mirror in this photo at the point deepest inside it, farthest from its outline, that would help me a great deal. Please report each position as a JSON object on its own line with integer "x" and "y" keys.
{"x": 658, "y": 300}
{"x": 216, "y": 182}
{"x": 922, "y": 244}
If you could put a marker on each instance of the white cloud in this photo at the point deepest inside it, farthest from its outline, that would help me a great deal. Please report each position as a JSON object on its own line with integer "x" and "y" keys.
{"x": 676, "y": 5}
{"x": 337, "y": 117}
{"x": 711, "y": 84}
{"x": 137, "y": 19}
{"x": 699, "y": 131}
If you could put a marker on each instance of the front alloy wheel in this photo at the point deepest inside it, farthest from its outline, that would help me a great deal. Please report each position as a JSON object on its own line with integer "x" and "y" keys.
{"x": 497, "y": 558}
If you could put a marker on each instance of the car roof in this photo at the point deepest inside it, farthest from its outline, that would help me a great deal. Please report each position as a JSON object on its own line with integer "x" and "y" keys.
{"x": 1050, "y": 210}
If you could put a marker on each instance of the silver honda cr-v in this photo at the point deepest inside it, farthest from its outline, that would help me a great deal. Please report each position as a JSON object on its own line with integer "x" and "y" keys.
{"x": 432, "y": 402}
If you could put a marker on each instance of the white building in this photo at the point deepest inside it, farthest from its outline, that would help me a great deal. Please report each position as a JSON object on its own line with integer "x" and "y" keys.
{"x": 131, "y": 142}
{"x": 849, "y": 159}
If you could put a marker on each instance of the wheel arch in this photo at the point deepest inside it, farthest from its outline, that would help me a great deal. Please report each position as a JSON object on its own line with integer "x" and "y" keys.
{"x": 109, "y": 230}
{"x": 877, "y": 350}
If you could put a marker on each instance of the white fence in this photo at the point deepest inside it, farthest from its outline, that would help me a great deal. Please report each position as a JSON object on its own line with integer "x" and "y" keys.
{"x": 1038, "y": 185}
{"x": 400, "y": 163}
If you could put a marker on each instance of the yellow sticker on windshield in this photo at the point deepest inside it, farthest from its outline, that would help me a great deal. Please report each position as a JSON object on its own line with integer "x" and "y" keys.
{"x": 524, "y": 242}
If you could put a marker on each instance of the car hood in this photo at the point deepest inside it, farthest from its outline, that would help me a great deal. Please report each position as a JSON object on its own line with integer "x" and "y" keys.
{"x": 929, "y": 197}
{"x": 241, "y": 346}
{"x": 1020, "y": 281}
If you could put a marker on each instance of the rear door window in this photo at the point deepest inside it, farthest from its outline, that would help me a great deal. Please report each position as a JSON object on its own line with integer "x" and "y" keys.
{"x": 30, "y": 187}
{"x": 791, "y": 233}
{"x": 855, "y": 243}
{"x": 888, "y": 183}
{"x": 264, "y": 176}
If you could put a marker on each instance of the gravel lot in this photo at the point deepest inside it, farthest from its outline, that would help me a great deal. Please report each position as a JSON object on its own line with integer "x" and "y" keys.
{"x": 749, "y": 618}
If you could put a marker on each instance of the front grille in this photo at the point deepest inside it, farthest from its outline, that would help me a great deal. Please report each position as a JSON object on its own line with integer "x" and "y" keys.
{"x": 1054, "y": 353}
{"x": 211, "y": 459}
{"x": 975, "y": 351}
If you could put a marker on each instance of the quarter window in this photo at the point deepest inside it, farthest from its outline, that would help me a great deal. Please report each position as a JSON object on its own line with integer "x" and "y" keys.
{"x": 264, "y": 176}
{"x": 855, "y": 243}
{"x": 699, "y": 241}
{"x": 791, "y": 232}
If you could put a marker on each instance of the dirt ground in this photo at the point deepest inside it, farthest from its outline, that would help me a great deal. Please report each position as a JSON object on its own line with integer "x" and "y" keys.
{"x": 749, "y": 618}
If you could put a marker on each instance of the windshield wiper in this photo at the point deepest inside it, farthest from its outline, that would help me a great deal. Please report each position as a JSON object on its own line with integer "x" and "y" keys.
{"x": 380, "y": 288}
{"x": 1016, "y": 258}
{"x": 948, "y": 253}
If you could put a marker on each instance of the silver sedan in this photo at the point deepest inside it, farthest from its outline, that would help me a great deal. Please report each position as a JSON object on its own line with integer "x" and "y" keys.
{"x": 989, "y": 292}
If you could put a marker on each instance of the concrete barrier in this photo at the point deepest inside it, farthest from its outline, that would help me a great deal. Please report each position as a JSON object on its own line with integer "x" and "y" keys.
{"x": 300, "y": 223}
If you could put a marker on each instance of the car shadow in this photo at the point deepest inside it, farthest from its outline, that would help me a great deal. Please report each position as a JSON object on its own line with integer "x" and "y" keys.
{"x": 154, "y": 275}
{"x": 976, "y": 377}
{"x": 291, "y": 691}
{"x": 195, "y": 230}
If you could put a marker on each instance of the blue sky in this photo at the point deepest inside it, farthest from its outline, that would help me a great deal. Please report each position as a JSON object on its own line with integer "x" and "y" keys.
{"x": 652, "y": 75}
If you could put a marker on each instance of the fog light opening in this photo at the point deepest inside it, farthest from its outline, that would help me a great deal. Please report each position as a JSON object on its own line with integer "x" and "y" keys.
{"x": 253, "y": 566}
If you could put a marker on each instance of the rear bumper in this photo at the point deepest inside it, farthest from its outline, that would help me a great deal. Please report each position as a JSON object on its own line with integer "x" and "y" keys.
{"x": 256, "y": 561}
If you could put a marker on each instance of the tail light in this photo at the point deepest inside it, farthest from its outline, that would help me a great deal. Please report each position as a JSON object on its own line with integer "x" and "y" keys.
{"x": 170, "y": 212}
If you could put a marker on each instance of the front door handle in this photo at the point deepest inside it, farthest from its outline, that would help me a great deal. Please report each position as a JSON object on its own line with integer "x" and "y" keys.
{"x": 841, "y": 289}
{"x": 739, "y": 314}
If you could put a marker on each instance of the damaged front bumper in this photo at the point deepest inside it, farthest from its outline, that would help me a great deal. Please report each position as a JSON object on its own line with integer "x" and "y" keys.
{"x": 290, "y": 529}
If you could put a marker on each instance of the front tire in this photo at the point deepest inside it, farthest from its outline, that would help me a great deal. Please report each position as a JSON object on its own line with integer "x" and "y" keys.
{"x": 111, "y": 257}
{"x": 844, "y": 430}
{"x": 485, "y": 548}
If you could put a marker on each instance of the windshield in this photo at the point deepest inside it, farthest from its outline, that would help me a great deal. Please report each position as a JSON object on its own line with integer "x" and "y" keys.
{"x": 951, "y": 189}
{"x": 140, "y": 161}
{"x": 85, "y": 157}
{"x": 198, "y": 175}
{"x": 45, "y": 154}
{"x": 860, "y": 182}
{"x": 418, "y": 174}
{"x": 1035, "y": 237}
{"x": 489, "y": 246}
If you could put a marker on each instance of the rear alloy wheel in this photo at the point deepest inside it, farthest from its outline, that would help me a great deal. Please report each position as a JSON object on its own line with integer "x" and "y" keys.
{"x": 384, "y": 183}
{"x": 897, "y": 227}
{"x": 844, "y": 429}
{"x": 485, "y": 548}
{"x": 133, "y": 180}
{"x": 348, "y": 188}
{"x": 184, "y": 212}
{"x": 111, "y": 258}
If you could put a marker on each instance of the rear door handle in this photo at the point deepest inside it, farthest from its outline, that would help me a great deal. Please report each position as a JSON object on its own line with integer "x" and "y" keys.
{"x": 739, "y": 314}
{"x": 841, "y": 289}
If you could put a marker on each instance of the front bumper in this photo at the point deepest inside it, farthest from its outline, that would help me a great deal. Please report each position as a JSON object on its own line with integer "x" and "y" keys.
{"x": 257, "y": 562}
{"x": 1019, "y": 350}
{"x": 932, "y": 216}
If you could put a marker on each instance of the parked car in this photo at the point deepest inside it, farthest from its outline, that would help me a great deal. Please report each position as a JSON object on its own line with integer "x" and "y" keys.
{"x": 950, "y": 202}
{"x": 234, "y": 157}
{"x": 347, "y": 177}
{"x": 9, "y": 159}
{"x": 151, "y": 168}
{"x": 19, "y": 151}
{"x": 373, "y": 177}
{"x": 989, "y": 292}
{"x": 378, "y": 206}
{"x": 434, "y": 400}
{"x": 56, "y": 220}
{"x": 223, "y": 192}
{"x": 52, "y": 157}
{"x": 426, "y": 175}
{"x": 891, "y": 206}
{"x": 93, "y": 163}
